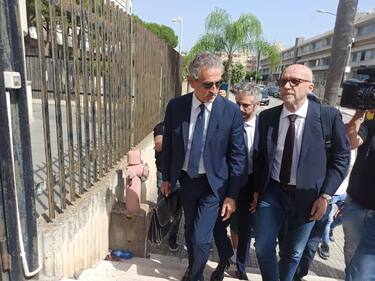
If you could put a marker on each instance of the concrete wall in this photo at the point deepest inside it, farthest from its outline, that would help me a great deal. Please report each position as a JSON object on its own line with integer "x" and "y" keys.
{"x": 78, "y": 238}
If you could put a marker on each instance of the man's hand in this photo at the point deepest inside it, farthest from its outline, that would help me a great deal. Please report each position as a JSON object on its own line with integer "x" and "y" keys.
{"x": 229, "y": 206}
{"x": 222, "y": 93}
{"x": 165, "y": 188}
{"x": 254, "y": 203}
{"x": 318, "y": 209}
{"x": 158, "y": 142}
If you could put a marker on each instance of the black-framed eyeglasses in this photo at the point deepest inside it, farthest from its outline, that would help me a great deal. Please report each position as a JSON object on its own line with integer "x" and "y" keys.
{"x": 209, "y": 85}
{"x": 294, "y": 82}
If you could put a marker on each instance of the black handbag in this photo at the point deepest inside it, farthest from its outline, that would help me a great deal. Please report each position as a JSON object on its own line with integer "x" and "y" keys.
{"x": 154, "y": 229}
{"x": 162, "y": 217}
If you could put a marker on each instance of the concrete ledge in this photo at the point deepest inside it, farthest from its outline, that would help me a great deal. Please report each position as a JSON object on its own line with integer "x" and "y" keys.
{"x": 79, "y": 238}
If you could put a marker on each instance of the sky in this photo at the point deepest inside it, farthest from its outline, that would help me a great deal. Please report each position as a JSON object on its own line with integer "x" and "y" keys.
{"x": 282, "y": 20}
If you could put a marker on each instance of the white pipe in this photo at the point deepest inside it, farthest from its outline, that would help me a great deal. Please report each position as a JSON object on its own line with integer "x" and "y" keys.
{"x": 20, "y": 238}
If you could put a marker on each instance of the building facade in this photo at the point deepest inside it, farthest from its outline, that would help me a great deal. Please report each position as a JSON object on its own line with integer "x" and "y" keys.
{"x": 244, "y": 58}
{"x": 315, "y": 52}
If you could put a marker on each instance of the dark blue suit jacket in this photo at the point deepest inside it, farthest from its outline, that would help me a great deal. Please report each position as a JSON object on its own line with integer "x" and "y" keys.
{"x": 314, "y": 175}
{"x": 224, "y": 154}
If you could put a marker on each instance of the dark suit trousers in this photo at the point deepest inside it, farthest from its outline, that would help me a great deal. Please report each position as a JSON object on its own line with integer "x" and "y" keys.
{"x": 245, "y": 224}
{"x": 201, "y": 209}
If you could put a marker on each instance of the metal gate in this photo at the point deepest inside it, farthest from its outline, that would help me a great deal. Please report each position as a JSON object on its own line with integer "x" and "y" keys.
{"x": 18, "y": 237}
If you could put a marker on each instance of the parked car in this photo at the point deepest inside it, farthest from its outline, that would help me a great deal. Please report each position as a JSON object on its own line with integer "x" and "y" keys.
{"x": 265, "y": 95}
{"x": 274, "y": 91}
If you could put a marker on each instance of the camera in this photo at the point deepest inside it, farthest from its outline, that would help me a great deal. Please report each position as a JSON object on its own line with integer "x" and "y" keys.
{"x": 360, "y": 94}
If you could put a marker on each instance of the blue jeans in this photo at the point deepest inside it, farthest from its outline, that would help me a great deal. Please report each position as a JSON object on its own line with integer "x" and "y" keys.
{"x": 176, "y": 224}
{"x": 275, "y": 209}
{"x": 353, "y": 222}
{"x": 312, "y": 245}
{"x": 361, "y": 267}
{"x": 336, "y": 199}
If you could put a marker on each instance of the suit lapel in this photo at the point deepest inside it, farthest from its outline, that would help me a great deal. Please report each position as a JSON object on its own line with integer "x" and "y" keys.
{"x": 256, "y": 137}
{"x": 216, "y": 111}
{"x": 273, "y": 132}
{"x": 186, "y": 119}
{"x": 311, "y": 130}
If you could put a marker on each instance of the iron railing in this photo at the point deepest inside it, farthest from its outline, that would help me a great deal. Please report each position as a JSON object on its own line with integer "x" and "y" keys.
{"x": 107, "y": 79}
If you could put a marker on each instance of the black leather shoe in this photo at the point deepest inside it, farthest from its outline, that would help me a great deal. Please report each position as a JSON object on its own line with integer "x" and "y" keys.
{"x": 218, "y": 274}
{"x": 187, "y": 275}
{"x": 241, "y": 275}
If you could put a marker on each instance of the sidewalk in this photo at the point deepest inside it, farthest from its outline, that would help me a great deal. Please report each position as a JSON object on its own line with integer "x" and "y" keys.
{"x": 334, "y": 267}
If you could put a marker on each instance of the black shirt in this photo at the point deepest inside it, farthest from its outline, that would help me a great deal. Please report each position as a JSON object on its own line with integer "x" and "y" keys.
{"x": 362, "y": 178}
{"x": 158, "y": 130}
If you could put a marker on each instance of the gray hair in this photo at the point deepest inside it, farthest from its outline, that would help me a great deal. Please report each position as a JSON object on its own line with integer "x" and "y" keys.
{"x": 205, "y": 60}
{"x": 250, "y": 89}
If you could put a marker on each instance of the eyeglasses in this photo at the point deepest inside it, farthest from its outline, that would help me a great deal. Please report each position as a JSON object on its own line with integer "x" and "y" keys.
{"x": 209, "y": 85}
{"x": 294, "y": 82}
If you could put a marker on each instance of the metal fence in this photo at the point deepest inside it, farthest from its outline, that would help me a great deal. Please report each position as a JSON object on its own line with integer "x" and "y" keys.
{"x": 107, "y": 79}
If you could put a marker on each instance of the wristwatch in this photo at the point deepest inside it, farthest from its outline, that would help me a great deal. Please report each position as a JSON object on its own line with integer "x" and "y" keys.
{"x": 326, "y": 196}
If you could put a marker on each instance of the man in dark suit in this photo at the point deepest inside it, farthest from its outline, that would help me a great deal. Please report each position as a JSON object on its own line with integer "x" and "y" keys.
{"x": 295, "y": 178}
{"x": 248, "y": 98}
{"x": 203, "y": 148}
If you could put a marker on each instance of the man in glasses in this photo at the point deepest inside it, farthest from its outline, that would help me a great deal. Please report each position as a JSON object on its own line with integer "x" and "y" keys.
{"x": 203, "y": 148}
{"x": 296, "y": 173}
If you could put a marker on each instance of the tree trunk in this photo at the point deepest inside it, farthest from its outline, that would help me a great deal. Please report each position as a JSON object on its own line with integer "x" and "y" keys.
{"x": 258, "y": 64}
{"x": 342, "y": 37}
{"x": 229, "y": 69}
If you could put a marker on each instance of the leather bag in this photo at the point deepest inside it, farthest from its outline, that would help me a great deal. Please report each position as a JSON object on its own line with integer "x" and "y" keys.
{"x": 162, "y": 217}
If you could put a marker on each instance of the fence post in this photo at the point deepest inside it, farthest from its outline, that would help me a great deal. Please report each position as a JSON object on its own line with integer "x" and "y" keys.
{"x": 17, "y": 179}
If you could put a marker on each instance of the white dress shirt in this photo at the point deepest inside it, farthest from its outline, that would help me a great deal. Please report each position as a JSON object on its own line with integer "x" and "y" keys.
{"x": 193, "y": 118}
{"x": 283, "y": 128}
{"x": 250, "y": 133}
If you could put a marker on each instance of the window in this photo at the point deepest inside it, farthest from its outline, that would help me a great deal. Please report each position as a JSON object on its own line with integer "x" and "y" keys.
{"x": 326, "y": 61}
{"x": 366, "y": 29}
{"x": 354, "y": 57}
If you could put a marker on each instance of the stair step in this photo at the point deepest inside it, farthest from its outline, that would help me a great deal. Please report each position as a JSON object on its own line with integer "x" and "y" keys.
{"x": 159, "y": 268}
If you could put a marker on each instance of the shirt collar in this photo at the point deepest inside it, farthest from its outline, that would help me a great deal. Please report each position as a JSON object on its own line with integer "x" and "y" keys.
{"x": 196, "y": 103}
{"x": 301, "y": 112}
{"x": 251, "y": 122}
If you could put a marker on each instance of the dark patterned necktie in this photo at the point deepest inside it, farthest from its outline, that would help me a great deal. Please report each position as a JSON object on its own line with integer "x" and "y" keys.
{"x": 286, "y": 163}
{"x": 196, "y": 144}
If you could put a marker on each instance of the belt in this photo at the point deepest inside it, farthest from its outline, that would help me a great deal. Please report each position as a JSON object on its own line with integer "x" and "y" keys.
{"x": 285, "y": 187}
{"x": 199, "y": 176}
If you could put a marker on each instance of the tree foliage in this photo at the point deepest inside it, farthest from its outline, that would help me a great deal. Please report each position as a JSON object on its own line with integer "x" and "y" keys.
{"x": 238, "y": 72}
{"x": 223, "y": 35}
{"x": 271, "y": 52}
{"x": 252, "y": 75}
{"x": 162, "y": 31}
{"x": 226, "y": 36}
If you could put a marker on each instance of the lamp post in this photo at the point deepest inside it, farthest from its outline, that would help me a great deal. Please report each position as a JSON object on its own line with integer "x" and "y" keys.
{"x": 325, "y": 12}
{"x": 181, "y": 21}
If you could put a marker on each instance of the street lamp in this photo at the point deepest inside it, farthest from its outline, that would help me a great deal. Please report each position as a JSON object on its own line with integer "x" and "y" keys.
{"x": 325, "y": 12}
{"x": 181, "y": 21}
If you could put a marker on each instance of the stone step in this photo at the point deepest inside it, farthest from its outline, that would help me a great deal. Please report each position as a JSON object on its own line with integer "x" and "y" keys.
{"x": 158, "y": 268}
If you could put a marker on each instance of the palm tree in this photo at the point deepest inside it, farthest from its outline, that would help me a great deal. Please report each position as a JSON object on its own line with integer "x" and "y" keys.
{"x": 270, "y": 51}
{"x": 224, "y": 35}
{"x": 342, "y": 37}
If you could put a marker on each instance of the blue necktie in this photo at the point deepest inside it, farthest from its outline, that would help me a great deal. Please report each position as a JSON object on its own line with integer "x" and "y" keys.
{"x": 196, "y": 145}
